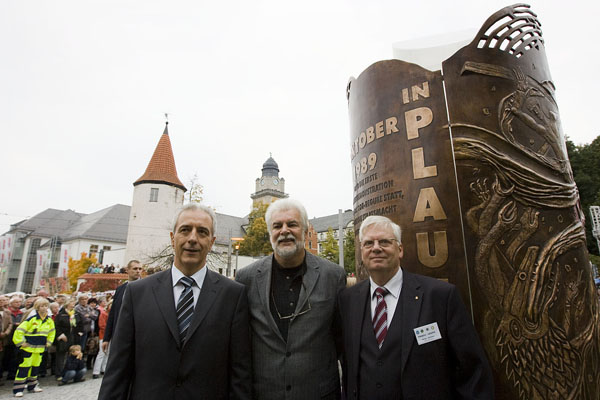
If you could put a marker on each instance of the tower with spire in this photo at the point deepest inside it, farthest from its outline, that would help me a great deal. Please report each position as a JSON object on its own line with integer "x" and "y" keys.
{"x": 156, "y": 196}
{"x": 269, "y": 187}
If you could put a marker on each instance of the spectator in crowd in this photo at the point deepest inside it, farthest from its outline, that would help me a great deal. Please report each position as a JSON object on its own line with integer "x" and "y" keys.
{"x": 29, "y": 300}
{"x": 74, "y": 366}
{"x": 50, "y": 353}
{"x": 292, "y": 297}
{"x": 5, "y": 331}
{"x": 100, "y": 364}
{"x": 134, "y": 272}
{"x": 85, "y": 315}
{"x": 65, "y": 329}
{"x": 33, "y": 335}
{"x": 54, "y": 309}
{"x": 10, "y": 351}
{"x": 90, "y": 269}
{"x": 61, "y": 299}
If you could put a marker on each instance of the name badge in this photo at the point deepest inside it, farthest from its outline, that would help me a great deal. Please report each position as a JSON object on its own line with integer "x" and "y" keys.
{"x": 427, "y": 333}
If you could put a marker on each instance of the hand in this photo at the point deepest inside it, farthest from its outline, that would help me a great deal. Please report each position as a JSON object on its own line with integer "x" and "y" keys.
{"x": 79, "y": 356}
{"x": 62, "y": 337}
{"x": 105, "y": 346}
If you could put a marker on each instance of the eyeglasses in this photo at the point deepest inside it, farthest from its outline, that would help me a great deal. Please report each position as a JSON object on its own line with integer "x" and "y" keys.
{"x": 292, "y": 315}
{"x": 383, "y": 243}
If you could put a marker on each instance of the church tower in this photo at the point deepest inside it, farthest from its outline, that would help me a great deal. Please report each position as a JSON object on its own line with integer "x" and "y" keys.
{"x": 269, "y": 187}
{"x": 156, "y": 196}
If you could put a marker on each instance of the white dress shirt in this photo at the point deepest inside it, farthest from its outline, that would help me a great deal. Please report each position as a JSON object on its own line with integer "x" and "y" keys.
{"x": 178, "y": 287}
{"x": 393, "y": 286}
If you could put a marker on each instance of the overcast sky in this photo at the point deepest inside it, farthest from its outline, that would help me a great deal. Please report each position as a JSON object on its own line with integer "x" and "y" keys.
{"x": 85, "y": 84}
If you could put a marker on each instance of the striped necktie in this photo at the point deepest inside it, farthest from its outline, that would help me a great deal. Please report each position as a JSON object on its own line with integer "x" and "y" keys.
{"x": 380, "y": 324}
{"x": 185, "y": 306}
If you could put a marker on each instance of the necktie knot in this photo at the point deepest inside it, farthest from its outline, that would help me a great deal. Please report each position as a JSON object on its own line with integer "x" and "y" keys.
{"x": 187, "y": 281}
{"x": 381, "y": 291}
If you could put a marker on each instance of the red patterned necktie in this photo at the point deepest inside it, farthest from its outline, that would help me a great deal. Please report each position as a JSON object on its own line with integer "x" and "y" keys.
{"x": 380, "y": 324}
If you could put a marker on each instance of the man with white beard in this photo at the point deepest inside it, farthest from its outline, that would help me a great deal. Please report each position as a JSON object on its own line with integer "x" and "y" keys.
{"x": 293, "y": 313}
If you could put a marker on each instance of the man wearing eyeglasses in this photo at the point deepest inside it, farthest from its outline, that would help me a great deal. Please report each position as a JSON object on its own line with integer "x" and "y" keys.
{"x": 406, "y": 335}
{"x": 292, "y": 297}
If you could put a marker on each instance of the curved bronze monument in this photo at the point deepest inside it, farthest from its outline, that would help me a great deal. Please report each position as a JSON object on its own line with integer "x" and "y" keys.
{"x": 473, "y": 165}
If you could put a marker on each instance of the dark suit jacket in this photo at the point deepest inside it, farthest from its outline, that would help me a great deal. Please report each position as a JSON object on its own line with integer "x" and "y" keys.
{"x": 113, "y": 315}
{"x": 453, "y": 367}
{"x": 304, "y": 367}
{"x": 147, "y": 360}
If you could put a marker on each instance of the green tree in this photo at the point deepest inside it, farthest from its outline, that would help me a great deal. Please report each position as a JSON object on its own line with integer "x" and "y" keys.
{"x": 349, "y": 252}
{"x": 585, "y": 163}
{"x": 330, "y": 249}
{"x": 256, "y": 240}
{"x": 76, "y": 268}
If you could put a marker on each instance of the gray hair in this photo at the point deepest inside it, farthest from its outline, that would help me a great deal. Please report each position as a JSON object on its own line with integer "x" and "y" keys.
{"x": 378, "y": 220}
{"x": 15, "y": 298}
{"x": 195, "y": 207}
{"x": 286, "y": 204}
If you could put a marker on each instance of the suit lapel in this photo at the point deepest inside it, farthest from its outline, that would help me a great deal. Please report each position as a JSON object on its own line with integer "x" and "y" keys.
{"x": 263, "y": 283}
{"x": 411, "y": 298}
{"x": 309, "y": 281}
{"x": 163, "y": 293}
{"x": 360, "y": 306}
{"x": 208, "y": 294}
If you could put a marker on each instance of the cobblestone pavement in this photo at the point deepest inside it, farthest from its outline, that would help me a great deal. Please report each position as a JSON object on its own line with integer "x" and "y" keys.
{"x": 87, "y": 390}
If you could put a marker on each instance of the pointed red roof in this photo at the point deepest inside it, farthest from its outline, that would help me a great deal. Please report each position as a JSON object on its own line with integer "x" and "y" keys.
{"x": 161, "y": 168}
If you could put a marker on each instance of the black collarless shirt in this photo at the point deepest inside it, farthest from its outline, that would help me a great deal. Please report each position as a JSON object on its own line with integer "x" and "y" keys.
{"x": 286, "y": 284}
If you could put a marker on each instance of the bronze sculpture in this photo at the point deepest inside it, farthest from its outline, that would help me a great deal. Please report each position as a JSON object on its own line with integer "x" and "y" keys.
{"x": 488, "y": 199}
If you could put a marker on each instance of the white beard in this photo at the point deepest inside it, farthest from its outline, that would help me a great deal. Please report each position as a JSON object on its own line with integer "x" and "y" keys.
{"x": 288, "y": 252}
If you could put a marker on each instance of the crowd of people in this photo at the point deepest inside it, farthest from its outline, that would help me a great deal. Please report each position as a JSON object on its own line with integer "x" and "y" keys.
{"x": 106, "y": 269}
{"x": 43, "y": 336}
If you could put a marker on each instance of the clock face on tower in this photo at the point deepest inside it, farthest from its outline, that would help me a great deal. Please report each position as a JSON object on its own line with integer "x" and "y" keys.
{"x": 262, "y": 182}
{"x": 275, "y": 181}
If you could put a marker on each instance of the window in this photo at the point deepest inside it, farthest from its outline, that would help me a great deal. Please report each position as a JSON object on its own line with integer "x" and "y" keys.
{"x": 93, "y": 249}
{"x": 106, "y": 248}
{"x": 310, "y": 245}
{"x": 153, "y": 195}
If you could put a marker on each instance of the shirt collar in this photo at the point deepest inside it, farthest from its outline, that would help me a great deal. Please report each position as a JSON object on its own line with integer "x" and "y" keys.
{"x": 199, "y": 276}
{"x": 393, "y": 286}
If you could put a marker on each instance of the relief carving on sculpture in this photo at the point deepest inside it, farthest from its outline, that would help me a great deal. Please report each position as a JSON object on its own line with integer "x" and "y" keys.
{"x": 539, "y": 318}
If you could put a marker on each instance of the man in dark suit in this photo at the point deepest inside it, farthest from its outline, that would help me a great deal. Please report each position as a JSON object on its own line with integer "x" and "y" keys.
{"x": 292, "y": 296}
{"x": 407, "y": 336}
{"x": 134, "y": 272}
{"x": 182, "y": 333}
